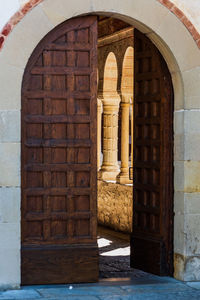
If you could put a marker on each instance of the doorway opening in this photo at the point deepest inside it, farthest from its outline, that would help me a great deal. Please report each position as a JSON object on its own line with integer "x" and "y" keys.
{"x": 62, "y": 146}
{"x": 114, "y": 152}
{"x": 134, "y": 94}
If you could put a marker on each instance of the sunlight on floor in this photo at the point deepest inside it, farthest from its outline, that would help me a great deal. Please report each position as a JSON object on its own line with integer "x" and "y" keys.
{"x": 103, "y": 242}
{"x": 117, "y": 252}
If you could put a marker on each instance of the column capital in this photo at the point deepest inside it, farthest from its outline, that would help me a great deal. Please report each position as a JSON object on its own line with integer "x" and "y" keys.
{"x": 111, "y": 99}
{"x": 127, "y": 98}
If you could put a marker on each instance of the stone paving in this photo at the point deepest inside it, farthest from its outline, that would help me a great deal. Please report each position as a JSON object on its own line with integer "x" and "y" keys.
{"x": 139, "y": 289}
{"x": 117, "y": 281}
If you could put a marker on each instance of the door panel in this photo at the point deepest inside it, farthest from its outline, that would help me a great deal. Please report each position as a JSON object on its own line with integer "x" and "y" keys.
{"x": 59, "y": 95}
{"x": 152, "y": 236}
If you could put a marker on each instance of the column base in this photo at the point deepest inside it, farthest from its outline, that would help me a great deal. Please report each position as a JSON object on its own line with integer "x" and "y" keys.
{"x": 110, "y": 174}
{"x": 123, "y": 179}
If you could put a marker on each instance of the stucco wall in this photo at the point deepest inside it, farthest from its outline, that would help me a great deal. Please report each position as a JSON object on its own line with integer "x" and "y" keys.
{"x": 115, "y": 205}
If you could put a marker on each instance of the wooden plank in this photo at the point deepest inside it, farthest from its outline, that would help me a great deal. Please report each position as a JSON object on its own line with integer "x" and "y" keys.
{"x": 57, "y": 167}
{"x": 59, "y": 265}
{"x": 57, "y": 119}
{"x": 58, "y": 143}
{"x": 69, "y": 46}
{"x": 56, "y": 191}
{"x": 62, "y": 94}
{"x": 60, "y": 71}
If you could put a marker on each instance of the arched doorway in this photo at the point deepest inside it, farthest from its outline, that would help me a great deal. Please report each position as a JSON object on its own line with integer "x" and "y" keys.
{"x": 59, "y": 229}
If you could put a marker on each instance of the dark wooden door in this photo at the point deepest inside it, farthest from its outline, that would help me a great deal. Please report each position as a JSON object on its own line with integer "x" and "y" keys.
{"x": 152, "y": 236}
{"x": 59, "y": 95}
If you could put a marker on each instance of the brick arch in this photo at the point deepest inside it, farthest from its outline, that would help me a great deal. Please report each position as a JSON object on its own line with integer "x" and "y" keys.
{"x": 32, "y": 3}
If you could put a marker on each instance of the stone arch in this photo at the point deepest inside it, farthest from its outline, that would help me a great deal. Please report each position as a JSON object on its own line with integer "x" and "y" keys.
{"x": 110, "y": 74}
{"x": 16, "y": 18}
{"x": 127, "y": 73}
{"x": 182, "y": 55}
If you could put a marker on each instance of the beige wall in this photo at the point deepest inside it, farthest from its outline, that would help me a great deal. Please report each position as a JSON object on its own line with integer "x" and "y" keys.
{"x": 183, "y": 59}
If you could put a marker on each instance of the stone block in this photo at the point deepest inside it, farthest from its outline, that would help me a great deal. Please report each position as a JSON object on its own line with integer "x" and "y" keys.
{"x": 91, "y": 292}
{"x": 179, "y": 122}
{"x": 192, "y": 176}
{"x": 10, "y": 97}
{"x": 10, "y": 268}
{"x": 10, "y": 205}
{"x": 179, "y": 176}
{"x": 191, "y": 79}
{"x": 178, "y": 86}
{"x": 192, "y": 203}
{"x": 10, "y": 126}
{"x": 192, "y": 269}
{"x": 10, "y": 164}
{"x": 192, "y": 225}
{"x": 10, "y": 236}
{"x": 194, "y": 285}
{"x": 179, "y": 234}
{"x": 179, "y": 147}
{"x": 192, "y": 122}
{"x": 192, "y": 102}
{"x": 179, "y": 203}
{"x": 191, "y": 146}
{"x": 21, "y": 294}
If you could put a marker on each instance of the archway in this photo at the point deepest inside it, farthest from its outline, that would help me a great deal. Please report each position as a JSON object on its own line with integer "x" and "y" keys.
{"x": 182, "y": 69}
{"x": 59, "y": 164}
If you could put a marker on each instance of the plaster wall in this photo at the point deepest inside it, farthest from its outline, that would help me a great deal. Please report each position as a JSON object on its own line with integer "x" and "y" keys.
{"x": 183, "y": 58}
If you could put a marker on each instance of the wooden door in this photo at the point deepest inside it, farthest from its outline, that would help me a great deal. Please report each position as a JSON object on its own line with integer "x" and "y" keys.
{"x": 59, "y": 162}
{"x": 152, "y": 236}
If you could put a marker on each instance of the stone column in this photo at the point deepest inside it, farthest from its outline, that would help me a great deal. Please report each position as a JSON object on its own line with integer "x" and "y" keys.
{"x": 110, "y": 167}
{"x": 132, "y": 132}
{"x": 99, "y": 118}
{"x": 123, "y": 176}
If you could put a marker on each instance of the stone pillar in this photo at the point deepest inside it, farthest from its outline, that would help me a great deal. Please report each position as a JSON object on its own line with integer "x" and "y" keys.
{"x": 99, "y": 118}
{"x": 110, "y": 167}
{"x": 132, "y": 132}
{"x": 123, "y": 176}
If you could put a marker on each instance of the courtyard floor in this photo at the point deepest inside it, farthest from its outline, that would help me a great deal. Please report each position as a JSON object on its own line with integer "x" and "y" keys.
{"x": 117, "y": 280}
